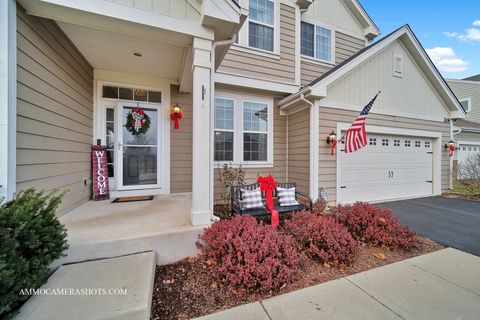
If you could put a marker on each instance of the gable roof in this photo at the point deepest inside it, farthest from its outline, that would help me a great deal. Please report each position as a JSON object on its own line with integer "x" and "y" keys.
{"x": 473, "y": 78}
{"x": 318, "y": 87}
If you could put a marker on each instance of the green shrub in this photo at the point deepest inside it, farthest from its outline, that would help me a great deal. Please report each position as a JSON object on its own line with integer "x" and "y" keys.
{"x": 31, "y": 238}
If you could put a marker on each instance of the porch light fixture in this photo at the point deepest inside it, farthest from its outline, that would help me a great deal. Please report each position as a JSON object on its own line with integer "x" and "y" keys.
{"x": 331, "y": 137}
{"x": 176, "y": 115}
{"x": 450, "y": 144}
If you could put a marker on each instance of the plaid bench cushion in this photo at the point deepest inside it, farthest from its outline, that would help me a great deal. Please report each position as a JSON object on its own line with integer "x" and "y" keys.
{"x": 286, "y": 197}
{"x": 251, "y": 199}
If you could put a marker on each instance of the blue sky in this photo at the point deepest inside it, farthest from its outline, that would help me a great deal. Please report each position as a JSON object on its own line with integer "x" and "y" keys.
{"x": 449, "y": 30}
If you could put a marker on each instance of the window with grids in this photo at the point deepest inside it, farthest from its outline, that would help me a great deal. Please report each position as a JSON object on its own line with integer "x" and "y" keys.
{"x": 417, "y": 144}
{"x": 261, "y": 24}
{"x": 427, "y": 144}
{"x": 110, "y": 137}
{"x": 255, "y": 131}
{"x": 316, "y": 41}
{"x": 407, "y": 143}
{"x": 396, "y": 143}
{"x": 384, "y": 142}
{"x": 373, "y": 141}
{"x": 223, "y": 129}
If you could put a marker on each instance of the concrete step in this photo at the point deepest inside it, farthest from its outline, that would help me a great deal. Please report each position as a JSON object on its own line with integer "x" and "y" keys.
{"x": 117, "y": 288}
{"x": 169, "y": 246}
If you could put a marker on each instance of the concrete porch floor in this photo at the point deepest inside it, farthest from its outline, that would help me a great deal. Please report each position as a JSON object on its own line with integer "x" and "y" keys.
{"x": 101, "y": 229}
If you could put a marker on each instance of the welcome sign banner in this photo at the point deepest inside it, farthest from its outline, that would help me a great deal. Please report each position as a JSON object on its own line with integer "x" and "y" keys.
{"x": 101, "y": 190}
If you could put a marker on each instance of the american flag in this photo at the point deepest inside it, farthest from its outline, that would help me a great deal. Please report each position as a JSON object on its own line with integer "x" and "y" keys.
{"x": 356, "y": 136}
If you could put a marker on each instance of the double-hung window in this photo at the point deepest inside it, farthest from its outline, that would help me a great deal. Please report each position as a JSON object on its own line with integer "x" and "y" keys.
{"x": 261, "y": 24}
{"x": 316, "y": 42}
{"x": 255, "y": 131}
{"x": 243, "y": 129}
{"x": 224, "y": 129}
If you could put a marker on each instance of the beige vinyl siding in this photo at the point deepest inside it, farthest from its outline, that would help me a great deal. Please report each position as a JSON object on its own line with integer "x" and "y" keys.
{"x": 181, "y": 9}
{"x": 464, "y": 90}
{"x": 299, "y": 149}
{"x": 345, "y": 47}
{"x": 467, "y": 136}
{"x": 278, "y": 170}
{"x": 328, "y": 122}
{"x": 54, "y": 111}
{"x": 181, "y": 145}
{"x": 249, "y": 64}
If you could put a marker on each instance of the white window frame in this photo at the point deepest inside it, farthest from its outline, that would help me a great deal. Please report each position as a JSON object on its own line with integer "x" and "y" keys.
{"x": 225, "y": 130}
{"x": 332, "y": 41}
{"x": 239, "y": 98}
{"x": 243, "y": 34}
{"x": 469, "y": 100}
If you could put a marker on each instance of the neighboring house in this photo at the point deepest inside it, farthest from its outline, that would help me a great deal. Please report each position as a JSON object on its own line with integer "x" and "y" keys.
{"x": 467, "y": 131}
{"x": 296, "y": 71}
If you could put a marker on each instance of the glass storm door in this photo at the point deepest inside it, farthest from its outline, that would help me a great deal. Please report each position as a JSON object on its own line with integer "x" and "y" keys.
{"x": 138, "y": 158}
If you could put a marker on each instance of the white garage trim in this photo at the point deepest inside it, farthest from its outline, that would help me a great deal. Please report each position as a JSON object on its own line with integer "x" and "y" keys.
{"x": 436, "y": 147}
{"x": 473, "y": 143}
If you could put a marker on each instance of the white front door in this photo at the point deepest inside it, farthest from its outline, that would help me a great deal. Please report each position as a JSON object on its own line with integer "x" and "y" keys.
{"x": 389, "y": 167}
{"x": 138, "y": 156}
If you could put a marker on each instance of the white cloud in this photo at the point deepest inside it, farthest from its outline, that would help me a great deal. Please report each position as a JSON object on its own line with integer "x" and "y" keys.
{"x": 471, "y": 34}
{"x": 446, "y": 60}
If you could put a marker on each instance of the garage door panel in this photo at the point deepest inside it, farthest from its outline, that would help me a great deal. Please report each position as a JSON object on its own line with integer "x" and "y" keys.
{"x": 389, "y": 167}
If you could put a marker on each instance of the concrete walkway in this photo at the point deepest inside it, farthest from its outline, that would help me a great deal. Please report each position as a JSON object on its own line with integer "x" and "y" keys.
{"x": 440, "y": 285}
{"x": 117, "y": 288}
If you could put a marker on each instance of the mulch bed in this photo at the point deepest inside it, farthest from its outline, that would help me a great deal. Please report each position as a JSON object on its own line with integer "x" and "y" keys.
{"x": 453, "y": 195}
{"x": 186, "y": 289}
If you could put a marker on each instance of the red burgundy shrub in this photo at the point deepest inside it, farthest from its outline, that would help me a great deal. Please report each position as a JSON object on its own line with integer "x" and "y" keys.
{"x": 378, "y": 226}
{"x": 249, "y": 254}
{"x": 322, "y": 237}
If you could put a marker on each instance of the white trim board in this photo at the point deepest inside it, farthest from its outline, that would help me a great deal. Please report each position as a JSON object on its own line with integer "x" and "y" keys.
{"x": 466, "y": 142}
{"x": 436, "y": 144}
{"x": 254, "y": 83}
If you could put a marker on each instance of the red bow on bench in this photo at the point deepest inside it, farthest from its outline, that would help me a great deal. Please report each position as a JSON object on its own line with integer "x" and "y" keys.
{"x": 268, "y": 184}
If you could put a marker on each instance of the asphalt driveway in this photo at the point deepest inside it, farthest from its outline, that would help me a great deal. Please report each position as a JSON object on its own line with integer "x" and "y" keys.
{"x": 451, "y": 222}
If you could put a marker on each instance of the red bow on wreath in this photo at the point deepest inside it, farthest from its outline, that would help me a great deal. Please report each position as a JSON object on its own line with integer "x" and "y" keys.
{"x": 175, "y": 116}
{"x": 268, "y": 184}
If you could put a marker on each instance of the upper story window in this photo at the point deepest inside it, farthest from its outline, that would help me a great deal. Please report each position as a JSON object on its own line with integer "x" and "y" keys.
{"x": 466, "y": 104}
{"x": 316, "y": 42}
{"x": 261, "y": 25}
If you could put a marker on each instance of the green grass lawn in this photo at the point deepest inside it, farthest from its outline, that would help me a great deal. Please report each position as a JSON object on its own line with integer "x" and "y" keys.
{"x": 461, "y": 187}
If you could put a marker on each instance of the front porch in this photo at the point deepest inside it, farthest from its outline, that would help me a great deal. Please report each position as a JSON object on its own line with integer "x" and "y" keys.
{"x": 102, "y": 229}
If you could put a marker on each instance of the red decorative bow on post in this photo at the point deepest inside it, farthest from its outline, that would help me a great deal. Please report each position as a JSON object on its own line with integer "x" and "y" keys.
{"x": 452, "y": 150}
{"x": 175, "y": 116}
{"x": 267, "y": 184}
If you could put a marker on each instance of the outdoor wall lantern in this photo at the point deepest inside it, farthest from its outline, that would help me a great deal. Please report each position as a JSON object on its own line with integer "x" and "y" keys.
{"x": 451, "y": 146}
{"x": 176, "y": 115}
{"x": 331, "y": 137}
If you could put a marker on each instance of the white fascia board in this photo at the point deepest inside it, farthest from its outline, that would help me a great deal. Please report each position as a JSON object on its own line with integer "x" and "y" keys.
{"x": 236, "y": 80}
{"x": 476, "y": 143}
{"x": 375, "y": 49}
{"x": 463, "y": 81}
{"x": 457, "y": 114}
{"x": 45, "y": 8}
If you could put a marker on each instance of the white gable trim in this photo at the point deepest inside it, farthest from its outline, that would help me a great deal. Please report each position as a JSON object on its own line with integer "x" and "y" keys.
{"x": 320, "y": 89}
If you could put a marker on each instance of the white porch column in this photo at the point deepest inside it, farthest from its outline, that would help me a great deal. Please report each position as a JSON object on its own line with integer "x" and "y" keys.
{"x": 202, "y": 172}
{"x": 8, "y": 97}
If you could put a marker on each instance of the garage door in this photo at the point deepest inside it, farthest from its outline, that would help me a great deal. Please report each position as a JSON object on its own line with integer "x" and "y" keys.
{"x": 389, "y": 167}
{"x": 465, "y": 152}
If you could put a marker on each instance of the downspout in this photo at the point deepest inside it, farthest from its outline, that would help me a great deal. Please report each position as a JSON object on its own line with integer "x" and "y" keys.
{"x": 313, "y": 148}
{"x": 451, "y": 158}
{"x": 215, "y": 44}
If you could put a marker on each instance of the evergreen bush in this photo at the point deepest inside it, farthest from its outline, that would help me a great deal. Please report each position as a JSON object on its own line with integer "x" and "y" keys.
{"x": 31, "y": 238}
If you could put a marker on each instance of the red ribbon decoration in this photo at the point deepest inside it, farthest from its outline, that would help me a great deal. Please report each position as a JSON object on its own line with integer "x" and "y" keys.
{"x": 175, "y": 116}
{"x": 452, "y": 149}
{"x": 268, "y": 184}
{"x": 334, "y": 145}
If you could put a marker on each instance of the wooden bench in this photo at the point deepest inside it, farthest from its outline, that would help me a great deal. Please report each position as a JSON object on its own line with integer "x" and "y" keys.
{"x": 236, "y": 200}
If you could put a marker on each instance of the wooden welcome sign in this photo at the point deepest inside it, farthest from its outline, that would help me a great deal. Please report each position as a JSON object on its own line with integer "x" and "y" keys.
{"x": 100, "y": 173}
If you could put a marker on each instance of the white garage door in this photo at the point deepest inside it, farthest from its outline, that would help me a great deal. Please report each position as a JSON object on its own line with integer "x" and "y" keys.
{"x": 465, "y": 152}
{"x": 389, "y": 167}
